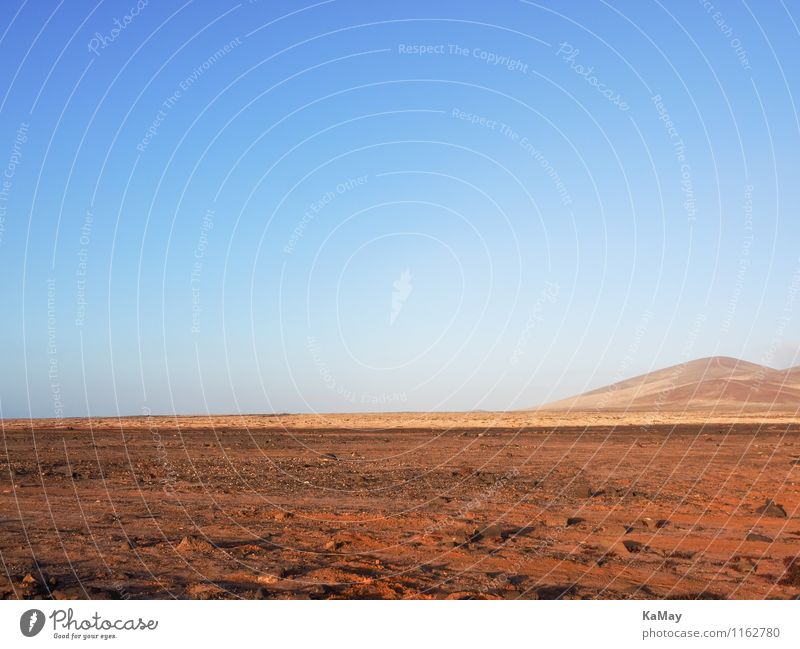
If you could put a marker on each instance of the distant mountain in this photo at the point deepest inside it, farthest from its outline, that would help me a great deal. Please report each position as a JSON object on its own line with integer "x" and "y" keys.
{"x": 716, "y": 383}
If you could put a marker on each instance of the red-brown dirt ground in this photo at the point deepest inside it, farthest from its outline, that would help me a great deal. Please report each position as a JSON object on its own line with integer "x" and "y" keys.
{"x": 478, "y": 505}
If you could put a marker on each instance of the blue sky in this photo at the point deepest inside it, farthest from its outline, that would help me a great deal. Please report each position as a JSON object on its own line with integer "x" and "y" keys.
{"x": 338, "y": 206}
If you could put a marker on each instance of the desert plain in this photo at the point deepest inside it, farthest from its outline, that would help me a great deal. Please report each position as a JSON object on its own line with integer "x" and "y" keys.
{"x": 543, "y": 504}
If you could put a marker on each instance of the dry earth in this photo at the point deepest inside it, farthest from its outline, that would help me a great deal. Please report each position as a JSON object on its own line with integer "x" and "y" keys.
{"x": 481, "y": 505}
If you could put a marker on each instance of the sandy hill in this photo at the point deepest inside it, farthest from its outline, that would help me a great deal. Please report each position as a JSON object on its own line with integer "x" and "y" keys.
{"x": 716, "y": 383}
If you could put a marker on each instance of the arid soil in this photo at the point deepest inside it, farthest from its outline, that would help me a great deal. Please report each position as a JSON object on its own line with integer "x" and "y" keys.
{"x": 401, "y": 506}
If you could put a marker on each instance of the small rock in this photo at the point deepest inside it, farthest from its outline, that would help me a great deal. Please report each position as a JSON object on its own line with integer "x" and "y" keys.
{"x": 771, "y": 508}
{"x": 29, "y": 579}
{"x": 635, "y": 547}
{"x": 266, "y": 579}
{"x": 662, "y": 523}
{"x": 581, "y": 491}
{"x": 491, "y": 532}
{"x": 517, "y": 580}
{"x": 190, "y": 545}
{"x": 613, "y": 529}
{"x": 680, "y": 554}
{"x": 754, "y": 536}
{"x": 261, "y": 593}
{"x": 509, "y": 594}
{"x": 461, "y": 537}
{"x": 333, "y": 544}
{"x": 329, "y": 457}
{"x": 64, "y": 470}
{"x": 575, "y": 520}
{"x": 743, "y": 564}
{"x": 792, "y": 574}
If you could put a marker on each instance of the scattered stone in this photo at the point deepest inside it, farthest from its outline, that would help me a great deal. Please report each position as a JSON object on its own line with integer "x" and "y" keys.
{"x": 461, "y": 537}
{"x": 792, "y": 574}
{"x": 249, "y": 549}
{"x": 316, "y": 592}
{"x": 63, "y": 470}
{"x": 33, "y": 587}
{"x": 612, "y": 529}
{"x": 581, "y": 490}
{"x": 625, "y": 492}
{"x": 489, "y": 532}
{"x": 743, "y": 564}
{"x": 635, "y": 547}
{"x": 100, "y": 592}
{"x": 329, "y": 457}
{"x": 754, "y": 536}
{"x": 282, "y": 516}
{"x": 508, "y": 594}
{"x": 501, "y": 532}
{"x": 333, "y": 544}
{"x": 680, "y": 554}
{"x": 662, "y": 523}
{"x": 515, "y": 532}
{"x": 771, "y": 508}
{"x": 191, "y": 545}
{"x": 517, "y": 580}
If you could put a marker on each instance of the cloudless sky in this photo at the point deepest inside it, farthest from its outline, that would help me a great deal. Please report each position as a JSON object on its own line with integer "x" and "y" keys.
{"x": 341, "y": 206}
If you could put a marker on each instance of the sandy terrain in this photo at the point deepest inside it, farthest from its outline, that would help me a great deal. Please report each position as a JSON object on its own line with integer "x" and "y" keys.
{"x": 481, "y": 505}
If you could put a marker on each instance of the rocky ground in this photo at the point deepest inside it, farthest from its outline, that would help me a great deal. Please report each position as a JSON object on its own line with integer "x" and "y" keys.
{"x": 258, "y": 508}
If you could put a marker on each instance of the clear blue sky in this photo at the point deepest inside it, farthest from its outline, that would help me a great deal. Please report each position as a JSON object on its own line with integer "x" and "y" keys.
{"x": 295, "y": 206}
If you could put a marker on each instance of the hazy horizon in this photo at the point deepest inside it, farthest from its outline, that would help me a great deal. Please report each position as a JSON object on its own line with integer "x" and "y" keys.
{"x": 146, "y": 412}
{"x": 342, "y": 207}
